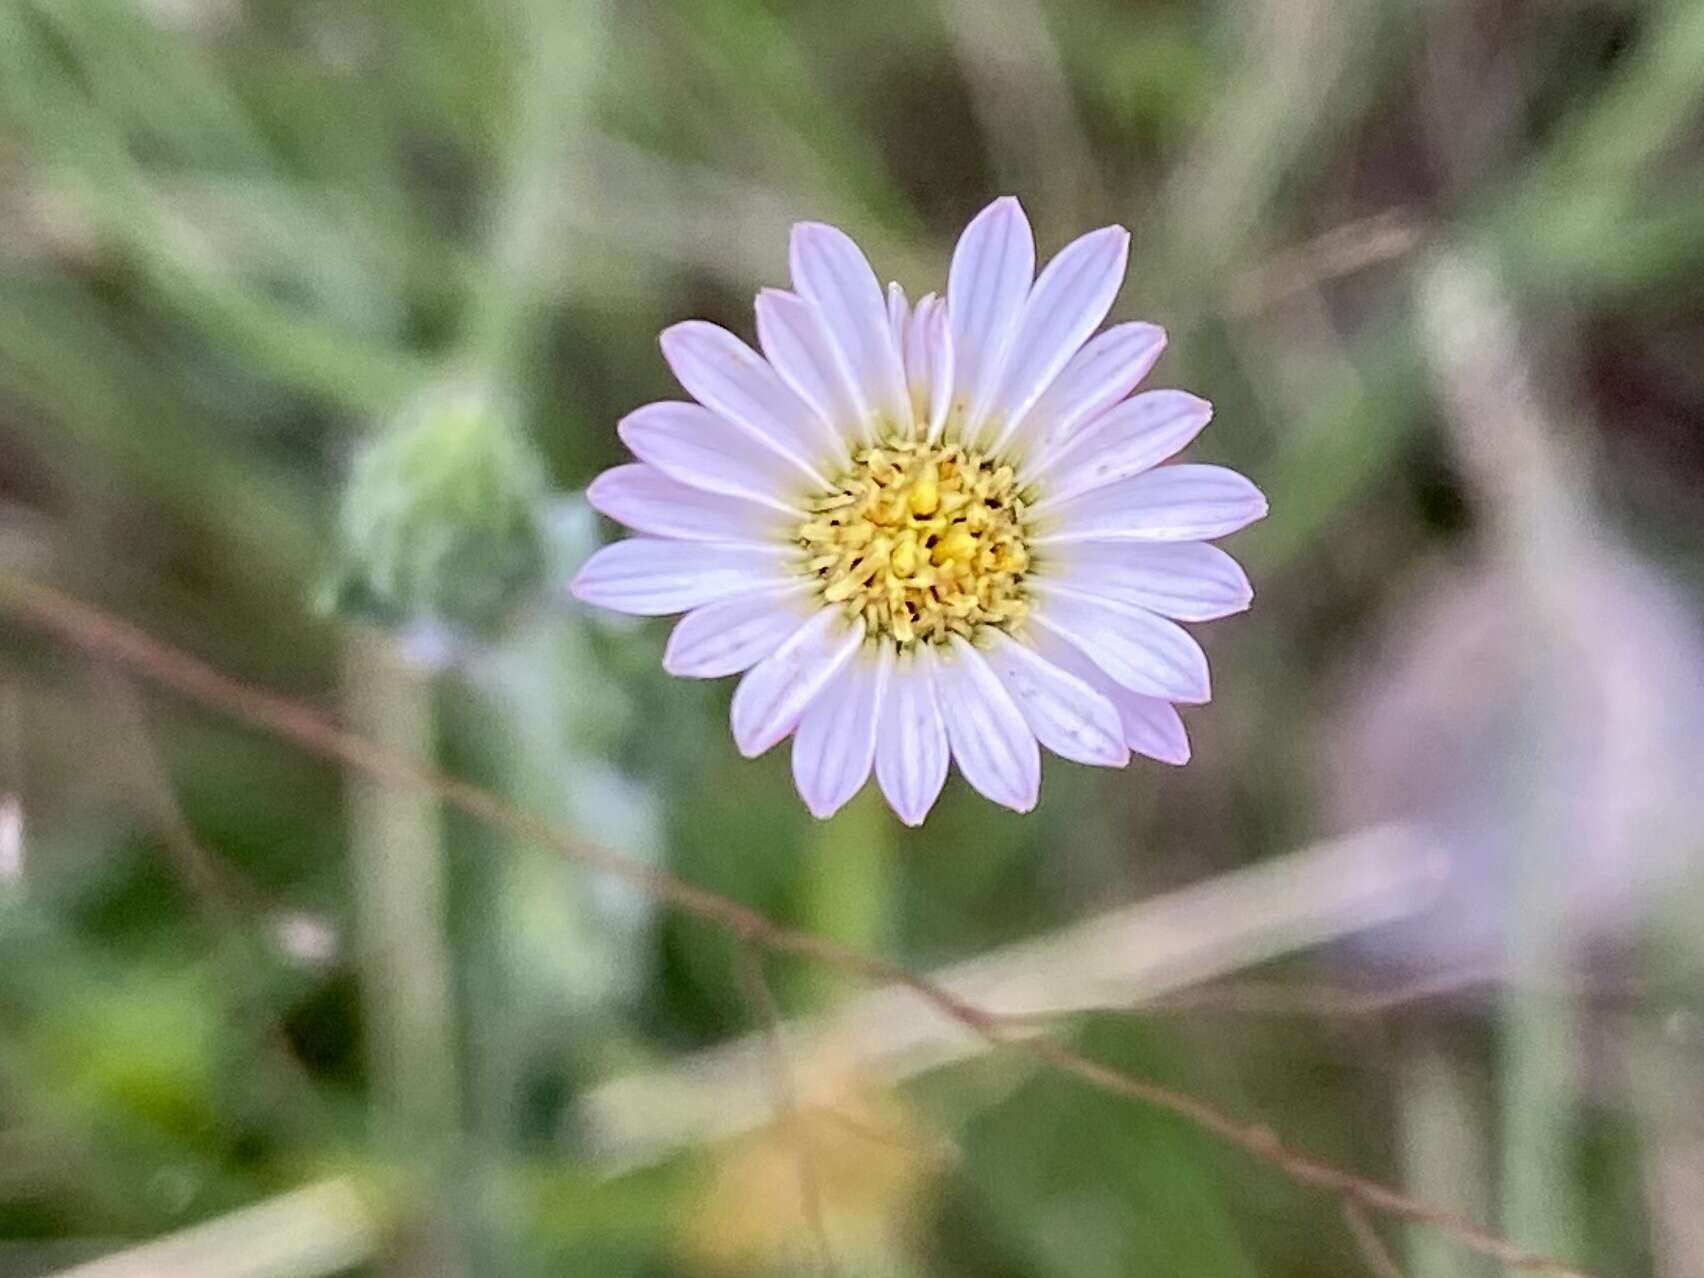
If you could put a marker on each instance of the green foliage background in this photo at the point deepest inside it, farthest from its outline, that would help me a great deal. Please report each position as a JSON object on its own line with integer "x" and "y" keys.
{"x": 246, "y": 246}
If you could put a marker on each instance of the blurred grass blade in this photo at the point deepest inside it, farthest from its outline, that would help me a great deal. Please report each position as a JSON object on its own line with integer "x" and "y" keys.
{"x": 313, "y": 1232}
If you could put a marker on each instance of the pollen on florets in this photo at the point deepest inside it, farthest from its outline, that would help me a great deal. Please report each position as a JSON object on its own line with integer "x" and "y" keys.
{"x": 923, "y": 540}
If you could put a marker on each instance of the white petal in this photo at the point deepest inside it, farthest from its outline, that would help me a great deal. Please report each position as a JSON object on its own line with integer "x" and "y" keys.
{"x": 995, "y": 749}
{"x": 1065, "y": 307}
{"x": 899, "y": 314}
{"x": 1098, "y": 376}
{"x": 1134, "y": 437}
{"x": 729, "y": 378}
{"x": 989, "y": 279}
{"x": 929, "y": 364}
{"x": 689, "y": 443}
{"x": 911, "y": 751}
{"x": 1171, "y": 503}
{"x": 914, "y": 355}
{"x": 1067, "y": 715}
{"x": 732, "y": 635}
{"x": 832, "y": 272}
{"x": 652, "y": 578}
{"x": 648, "y": 501}
{"x": 1184, "y": 580}
{"x": 1151, "y": 725}
{"x": 1137, "y": 648}
{"x": 836, "y": 741}
{"x": 795, "y": 340}
{"x": 775, "y": 692}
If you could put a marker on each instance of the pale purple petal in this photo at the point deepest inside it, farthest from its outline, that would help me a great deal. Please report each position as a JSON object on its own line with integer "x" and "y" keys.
{"x": 1097, "y": 377}
{"x": 1184, "y": 580}
{"x": 1067, "y": 304}
{"x": 911, "y": 750}
{"x": 689, "y": 443}
{"x": 732, "y": 635}
{"x": 652, "y": 578}
{"x": 832, "y": 272}
{"x": 1139, "y": 649}
{"x": 992, "y": 269}
{"x": 994, "y": 747}
{"x": 929, "y": 364}
{"x": 796, "y": 341}
{"x": 899, "y": 314}
{"x": 729, "y": 378}
{"x": 775, "y": 692}
{"x": 648, "y": 501}
{"x": 1151, "y": 725}
{"x": 914, "y": 353}
{"x": 1170, "y": 503}
{"x": 835, "y": 745}
{"x": 1067, "y": 716}
{"x": 1121, "y": 443}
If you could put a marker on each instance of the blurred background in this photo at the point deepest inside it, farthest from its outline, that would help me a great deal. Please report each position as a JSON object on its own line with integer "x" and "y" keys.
{"x": 314, "y": 318}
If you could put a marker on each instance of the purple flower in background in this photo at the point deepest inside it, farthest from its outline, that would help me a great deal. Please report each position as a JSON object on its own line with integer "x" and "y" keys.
{"x": 933, "y": 531}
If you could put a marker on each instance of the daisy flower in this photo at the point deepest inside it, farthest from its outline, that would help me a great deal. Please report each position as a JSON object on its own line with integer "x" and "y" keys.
{"x": 930, "y": 532}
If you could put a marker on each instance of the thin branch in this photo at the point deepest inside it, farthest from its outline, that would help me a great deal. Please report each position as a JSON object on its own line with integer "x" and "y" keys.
{"x": 144, "y": 779}
{"x": 1369, "y": 1244}
{"x": 787, "y": 1106}
{"x": 1297, "y": 999}
{"x": 1107, "y": 961}
{"x": 117, "y": 641}
{"x": 1343, "y": 250}
{"x": 222, "y": 900}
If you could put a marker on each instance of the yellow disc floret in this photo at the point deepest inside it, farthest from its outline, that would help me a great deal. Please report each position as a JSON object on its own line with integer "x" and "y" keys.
{"x": 923, "y": 540}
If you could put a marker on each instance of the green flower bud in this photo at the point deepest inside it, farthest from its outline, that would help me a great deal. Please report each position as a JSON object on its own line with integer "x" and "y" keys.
{"x": 439, "y": 523}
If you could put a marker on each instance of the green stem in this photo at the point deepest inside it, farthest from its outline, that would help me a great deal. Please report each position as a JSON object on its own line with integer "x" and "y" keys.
{"x": 1444, "y": 1159}
{"x": 849, "y": 886}
{"x": 559, "y": 44}
{"x": 397, "y": 850}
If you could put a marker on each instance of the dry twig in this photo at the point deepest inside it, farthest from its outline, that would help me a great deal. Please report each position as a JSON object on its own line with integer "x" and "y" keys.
{"x": 222, "y": 901}
{"x": 1109, "y": 961}
{"x": 1369, "y": 1244}
{"x": 787, "y": 1102}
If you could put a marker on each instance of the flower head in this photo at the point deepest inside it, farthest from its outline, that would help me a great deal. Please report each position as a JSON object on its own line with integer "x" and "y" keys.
{"x": 933, "y": 532}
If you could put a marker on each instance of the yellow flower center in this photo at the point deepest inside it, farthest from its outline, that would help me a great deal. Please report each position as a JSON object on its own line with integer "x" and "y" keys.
{"x": 923, "y": 540}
